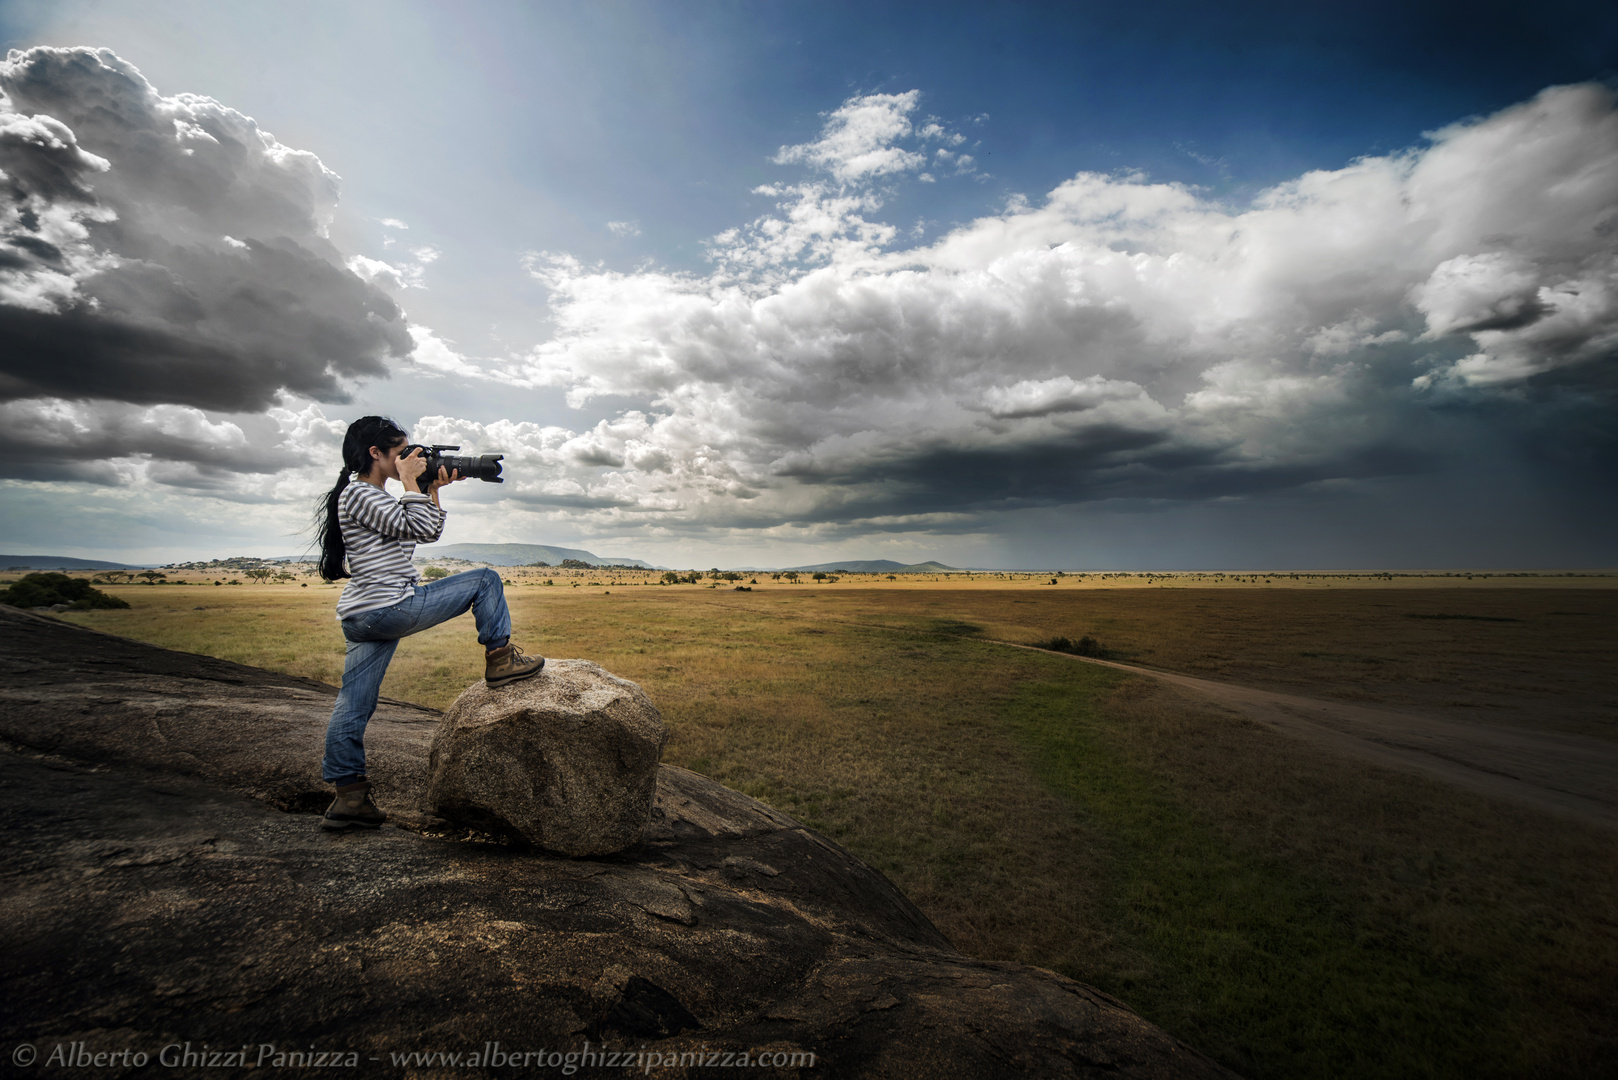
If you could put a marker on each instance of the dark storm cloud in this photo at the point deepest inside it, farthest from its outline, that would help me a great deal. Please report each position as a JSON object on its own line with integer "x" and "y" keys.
{"x": 226, "y": 331}
{"x": 95, "y": 441}
{"x": 165, "y": 250}
{"x": 1102, "y": 463}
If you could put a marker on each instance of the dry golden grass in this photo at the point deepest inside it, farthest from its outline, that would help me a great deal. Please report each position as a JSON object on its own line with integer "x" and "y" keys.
{"x": 1289, "y": 912}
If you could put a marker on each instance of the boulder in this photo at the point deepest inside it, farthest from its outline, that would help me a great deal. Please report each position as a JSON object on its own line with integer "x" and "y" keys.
{"x": 566, "y": 761}
{"x": 164, "y": 879}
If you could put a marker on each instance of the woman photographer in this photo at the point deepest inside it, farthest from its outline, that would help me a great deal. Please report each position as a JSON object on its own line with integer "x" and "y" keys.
{"x": 368, "y": 536}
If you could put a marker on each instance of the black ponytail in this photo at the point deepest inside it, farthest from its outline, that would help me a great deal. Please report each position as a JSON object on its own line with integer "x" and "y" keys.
{"x": 364, "y": 433}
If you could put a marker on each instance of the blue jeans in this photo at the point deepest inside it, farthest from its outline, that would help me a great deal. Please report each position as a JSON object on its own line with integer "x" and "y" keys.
{"x": 372, "y": 637}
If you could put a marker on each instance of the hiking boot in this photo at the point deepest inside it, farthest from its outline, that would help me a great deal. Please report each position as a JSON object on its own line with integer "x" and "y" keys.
{"x": 508, "y": 664}
{"x": 353, "y": 806}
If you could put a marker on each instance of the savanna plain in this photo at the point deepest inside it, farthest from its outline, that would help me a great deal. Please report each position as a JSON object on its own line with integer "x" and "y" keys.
{"x": 1288, "y": 911}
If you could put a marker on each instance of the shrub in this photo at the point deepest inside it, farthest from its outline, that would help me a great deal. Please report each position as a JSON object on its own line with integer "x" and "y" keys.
{"x": 1085, "y": 646}
{"x": 45, "y": 590}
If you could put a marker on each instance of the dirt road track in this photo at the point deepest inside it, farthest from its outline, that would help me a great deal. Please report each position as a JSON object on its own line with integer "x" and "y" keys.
{"x": 1565, "y": 774}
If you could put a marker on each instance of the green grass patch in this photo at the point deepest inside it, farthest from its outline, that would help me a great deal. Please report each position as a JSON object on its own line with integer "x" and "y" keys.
{"x": 1347, "y": 658}
{"x": 1473, "y": 618}
{"x": 1261, "y": 966}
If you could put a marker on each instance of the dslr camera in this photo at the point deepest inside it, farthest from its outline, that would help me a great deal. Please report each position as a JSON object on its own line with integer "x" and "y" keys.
{"x": 485, "y": 467}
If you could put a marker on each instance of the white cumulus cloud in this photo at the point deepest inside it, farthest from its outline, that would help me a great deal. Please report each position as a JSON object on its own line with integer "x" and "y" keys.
{"x": 1118, "y": 338}
{"x": 166, "y": 249}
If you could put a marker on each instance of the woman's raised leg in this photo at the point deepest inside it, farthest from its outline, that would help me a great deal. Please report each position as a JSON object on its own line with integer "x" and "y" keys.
{"x": 479, "y": 591}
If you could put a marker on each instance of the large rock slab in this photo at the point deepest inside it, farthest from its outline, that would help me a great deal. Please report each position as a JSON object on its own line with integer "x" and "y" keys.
{"x": 158, "y": 885}
{"x": 566, "y": 760}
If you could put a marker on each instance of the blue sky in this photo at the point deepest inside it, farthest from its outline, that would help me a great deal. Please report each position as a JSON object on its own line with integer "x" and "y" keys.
{"x": 929, "y": 355}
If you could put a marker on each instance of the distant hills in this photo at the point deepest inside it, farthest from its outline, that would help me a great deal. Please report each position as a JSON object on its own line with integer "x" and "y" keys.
{"x": 878, "y": 566}
{"x": 501, "y": 555}
{"x": 528, "y": 554}
{"x": 60, "y": 562}
{"x": 521, "y": 555}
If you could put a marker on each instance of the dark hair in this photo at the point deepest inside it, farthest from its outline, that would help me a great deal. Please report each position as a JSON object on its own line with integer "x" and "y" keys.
{"x": 364, "y": 433}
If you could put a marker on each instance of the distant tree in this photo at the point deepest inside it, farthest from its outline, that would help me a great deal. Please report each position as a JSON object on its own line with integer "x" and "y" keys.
{"x": 259, "y": 574}
{"x": 671, "y": 577}
{"x": 433, "y": 573}
{"x": 152, "y": 576}
{"x": 792, "y": 576}
{"x": 820, "y": 575}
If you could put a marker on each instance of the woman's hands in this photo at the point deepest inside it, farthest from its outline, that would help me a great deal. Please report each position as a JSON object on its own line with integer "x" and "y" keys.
{"x": 412, "y": 465}
{"x": 409, "y": 468}
{"x": 443, "y": 478}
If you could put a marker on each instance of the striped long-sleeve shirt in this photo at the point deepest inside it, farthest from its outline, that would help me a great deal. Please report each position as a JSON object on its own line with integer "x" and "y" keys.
{"x": 380, "y": 534}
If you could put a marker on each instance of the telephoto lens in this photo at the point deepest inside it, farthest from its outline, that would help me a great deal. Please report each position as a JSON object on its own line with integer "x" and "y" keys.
{"x": 485, "y": 467}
